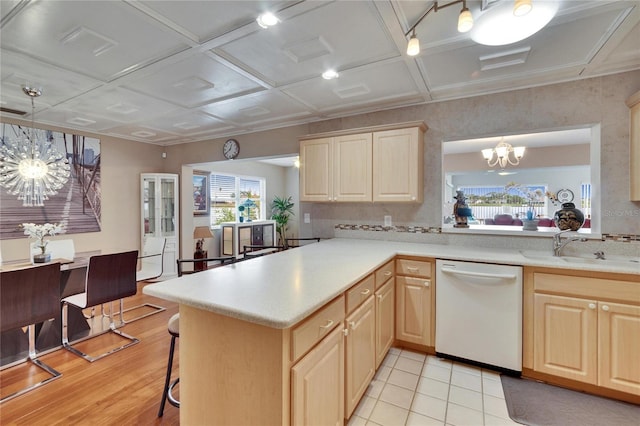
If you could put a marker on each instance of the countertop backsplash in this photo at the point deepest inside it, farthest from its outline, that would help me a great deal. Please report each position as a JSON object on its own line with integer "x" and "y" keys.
{"x": 616, "y": 245}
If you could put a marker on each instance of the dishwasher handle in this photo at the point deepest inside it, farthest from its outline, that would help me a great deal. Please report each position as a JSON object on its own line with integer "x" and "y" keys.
{"x": 479, "y": 274}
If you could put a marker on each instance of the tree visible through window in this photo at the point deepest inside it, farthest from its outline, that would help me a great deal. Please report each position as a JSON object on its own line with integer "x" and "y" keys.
{"x": 228, "y": 192}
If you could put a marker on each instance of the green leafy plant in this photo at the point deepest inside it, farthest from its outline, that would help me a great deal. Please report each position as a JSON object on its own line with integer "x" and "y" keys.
{"x": 281, "y": 211}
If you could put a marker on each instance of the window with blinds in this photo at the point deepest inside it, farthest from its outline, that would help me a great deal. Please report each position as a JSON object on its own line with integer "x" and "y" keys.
{"x": 228, "y": 192}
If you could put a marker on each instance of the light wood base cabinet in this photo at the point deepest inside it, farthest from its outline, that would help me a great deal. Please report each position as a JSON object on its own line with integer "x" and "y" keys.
{"x": 385, "y": 319}
{"x": 583, "y": 327}
{"x": 317, "y": 390}
{"x": 415, "y": 301}
{"x": 360, "y": 365}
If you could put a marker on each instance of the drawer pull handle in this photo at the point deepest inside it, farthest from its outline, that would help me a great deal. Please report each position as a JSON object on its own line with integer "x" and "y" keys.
{"x": 387, "y": 273}
{"x": 365, "y": 292}
{"x": 379, "y": 297}
{"x": 605, "y": 308}
{"x": 413, "y": 268}
{"x": 353, "y": 325}
{"x": 426, "y": 283}
{"x": 328, "y": 325}
{"x": 592, "y": 305}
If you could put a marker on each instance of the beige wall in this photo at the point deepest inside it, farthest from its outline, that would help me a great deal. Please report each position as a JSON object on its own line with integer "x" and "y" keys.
{"x": 579, "y": 103}
{"x": 596, "y": 100}
{"x": 122, "y": 162}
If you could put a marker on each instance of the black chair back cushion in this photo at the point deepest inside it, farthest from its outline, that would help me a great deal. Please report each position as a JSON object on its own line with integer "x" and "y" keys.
{"x": 111, "y": 277}
{"x": 29, "y": 296}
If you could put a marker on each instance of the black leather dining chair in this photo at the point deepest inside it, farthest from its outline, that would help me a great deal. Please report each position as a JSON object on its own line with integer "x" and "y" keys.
{"x": 110, "y": 277}
{"x": 27, "y": 297}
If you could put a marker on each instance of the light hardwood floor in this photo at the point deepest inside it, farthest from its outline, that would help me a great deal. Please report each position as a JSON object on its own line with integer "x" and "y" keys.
{"x": 124, "y": 388}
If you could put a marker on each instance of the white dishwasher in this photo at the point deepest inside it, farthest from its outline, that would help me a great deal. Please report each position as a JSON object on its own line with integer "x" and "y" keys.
{"x": 479, "y": 314}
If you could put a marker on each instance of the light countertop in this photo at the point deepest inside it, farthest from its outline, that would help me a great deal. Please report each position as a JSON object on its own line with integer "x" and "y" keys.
{"x": 281, "y": 289}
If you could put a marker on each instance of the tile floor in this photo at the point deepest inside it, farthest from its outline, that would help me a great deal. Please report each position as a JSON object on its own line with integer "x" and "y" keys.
{"x": 412, "y": 388}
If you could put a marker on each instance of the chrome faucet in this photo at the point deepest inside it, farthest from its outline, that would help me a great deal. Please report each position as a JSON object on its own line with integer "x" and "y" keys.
{"x": 558, "y": 243}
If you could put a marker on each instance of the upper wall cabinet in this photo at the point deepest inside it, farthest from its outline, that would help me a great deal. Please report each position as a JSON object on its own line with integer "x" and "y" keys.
{"x": 634, "y": 147}
{"x": 381, "y": 164}
{"x": 398, "y": 164}
{"x": 336, "y": 168}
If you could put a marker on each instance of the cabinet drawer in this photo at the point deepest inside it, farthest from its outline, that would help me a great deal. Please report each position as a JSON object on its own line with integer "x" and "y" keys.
{"x": 360, "y": 292}
{"x": 384, "y": 273}
{"x": 312, "y": 330}
{"x": 415, "y": 268}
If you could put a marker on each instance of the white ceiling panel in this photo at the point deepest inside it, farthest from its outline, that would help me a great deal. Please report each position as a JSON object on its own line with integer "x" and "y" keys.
{"x": 258, "y": 108}
{"x": 121, "y": 105}
{"x": 58, "y": 84}
{"x": 103, "y": 39}
{"x": 176, "y": 71}
{"x": 196, "y": 81}
{"x": 365, "y": 86}
{"x": 191, "y": 124}
{"x": 338, "y": 35}
{"x": 209, "y": 19}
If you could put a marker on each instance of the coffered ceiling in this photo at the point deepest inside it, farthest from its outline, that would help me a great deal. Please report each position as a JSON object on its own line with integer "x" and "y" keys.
{"x": 168, "y": 72}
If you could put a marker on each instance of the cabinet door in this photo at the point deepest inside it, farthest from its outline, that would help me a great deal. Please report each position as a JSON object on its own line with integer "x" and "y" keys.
{"x": 398, "y": 165}
{"x": 360, "y": 364}
{"x": 149, "y": 218}
{"x": 413, "y": 310}
{"x": 619, "y": 347}
{"x": 385, "y": 320}
{"x": 352, "y": 168}
{"x": 565, "y": 339}
{"x": 316, "y": 170}
{"x": 317, "y": 384}
{"x": 244, "y": 237}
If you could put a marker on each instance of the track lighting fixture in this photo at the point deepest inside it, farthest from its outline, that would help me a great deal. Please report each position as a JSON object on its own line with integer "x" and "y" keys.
{"x": 465, "y": 23}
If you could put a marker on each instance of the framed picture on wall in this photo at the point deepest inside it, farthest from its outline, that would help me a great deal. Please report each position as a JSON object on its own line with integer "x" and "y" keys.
{"x": 201, "y": 198}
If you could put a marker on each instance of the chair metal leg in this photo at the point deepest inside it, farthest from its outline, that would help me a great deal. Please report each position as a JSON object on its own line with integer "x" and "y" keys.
{"x": 168, "y": 387}
{"x": 112, "y": 329}
{"x": 33, "y": 358}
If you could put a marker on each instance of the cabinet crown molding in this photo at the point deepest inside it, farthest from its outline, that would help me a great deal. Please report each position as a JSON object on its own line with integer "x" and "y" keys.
{"x": 380, "y": 128}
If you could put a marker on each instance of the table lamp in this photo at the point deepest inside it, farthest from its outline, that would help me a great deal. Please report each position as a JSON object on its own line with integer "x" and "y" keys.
{"x": 200, "y": 233}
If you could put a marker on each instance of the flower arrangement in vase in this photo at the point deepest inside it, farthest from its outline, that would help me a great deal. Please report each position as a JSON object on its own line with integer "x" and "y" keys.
{"x": 39, "y": 232}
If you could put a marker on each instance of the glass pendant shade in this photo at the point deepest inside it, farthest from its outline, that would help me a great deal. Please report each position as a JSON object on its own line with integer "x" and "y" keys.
{"x": 30, "y": 167}
{"x": 465, "y": 21}
{"x": 413, "y": 48}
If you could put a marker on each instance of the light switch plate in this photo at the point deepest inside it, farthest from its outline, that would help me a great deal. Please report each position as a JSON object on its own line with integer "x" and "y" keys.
{"x": 307, "y": 218}
{"x": 387, "y": 221}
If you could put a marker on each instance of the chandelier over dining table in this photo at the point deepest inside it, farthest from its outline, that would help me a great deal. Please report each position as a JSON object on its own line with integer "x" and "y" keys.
{"x": 503, "y": 154}
{"x": 30, "y": 167}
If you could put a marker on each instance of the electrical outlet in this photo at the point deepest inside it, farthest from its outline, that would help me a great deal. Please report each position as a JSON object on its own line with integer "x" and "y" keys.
{"x": 307, "y": 218}
{"x": 387, "y": 221}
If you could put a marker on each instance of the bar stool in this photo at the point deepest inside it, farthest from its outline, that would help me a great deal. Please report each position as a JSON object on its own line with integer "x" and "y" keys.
{"x": 174, "y": 330}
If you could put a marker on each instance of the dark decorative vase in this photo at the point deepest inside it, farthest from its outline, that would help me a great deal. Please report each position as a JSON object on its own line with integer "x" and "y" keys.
{"x": 42, "y": 258}
{"x": 568, "y": 217}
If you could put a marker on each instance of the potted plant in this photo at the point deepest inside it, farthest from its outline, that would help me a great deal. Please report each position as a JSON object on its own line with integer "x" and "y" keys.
{"x": 281, "y": 211}
{"x": 241, "y": 210}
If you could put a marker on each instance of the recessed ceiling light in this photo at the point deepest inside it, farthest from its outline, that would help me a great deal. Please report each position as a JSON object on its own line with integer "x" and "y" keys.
{"x": 498, "y": 26}
{"x": 330, "y": 74}
{"x": 267, "y": 19}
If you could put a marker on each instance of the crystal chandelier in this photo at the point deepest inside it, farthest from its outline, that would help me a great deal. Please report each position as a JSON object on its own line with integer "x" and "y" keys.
{"x": 503, "y": 154}
{"x": 30, "y": 167}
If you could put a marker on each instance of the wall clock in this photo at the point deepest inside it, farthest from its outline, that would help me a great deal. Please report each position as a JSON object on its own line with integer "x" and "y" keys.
{"x": 565, "y": 195}
{"x": 231, "y": 149}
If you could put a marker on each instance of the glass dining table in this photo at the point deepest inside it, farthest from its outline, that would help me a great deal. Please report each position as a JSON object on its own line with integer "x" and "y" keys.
{"x": 49, "y": 334}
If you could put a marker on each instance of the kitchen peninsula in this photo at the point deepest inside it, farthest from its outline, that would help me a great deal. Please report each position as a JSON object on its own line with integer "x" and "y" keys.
{"x": 238, "y": 323}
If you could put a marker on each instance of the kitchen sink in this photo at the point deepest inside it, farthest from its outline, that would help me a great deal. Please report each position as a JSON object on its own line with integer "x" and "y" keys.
{"x": 617, "y": 260}
{"x": 609, "y": 260}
